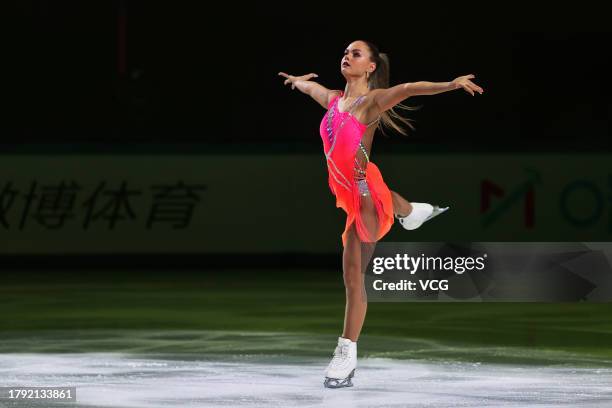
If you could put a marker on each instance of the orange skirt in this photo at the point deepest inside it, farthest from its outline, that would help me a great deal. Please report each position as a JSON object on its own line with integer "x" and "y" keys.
{"x": 350, "y": 202}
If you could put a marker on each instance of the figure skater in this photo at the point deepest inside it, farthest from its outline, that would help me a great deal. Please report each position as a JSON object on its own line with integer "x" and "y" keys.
{"x": 347, "y": 131}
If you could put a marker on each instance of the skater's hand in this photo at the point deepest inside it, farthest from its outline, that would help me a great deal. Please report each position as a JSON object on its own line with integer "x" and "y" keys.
{"x": 293, "y": 79}
{"x": 465, "y": 83}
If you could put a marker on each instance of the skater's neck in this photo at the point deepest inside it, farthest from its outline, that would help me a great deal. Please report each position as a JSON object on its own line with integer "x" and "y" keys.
{"x": 355, "y": 87}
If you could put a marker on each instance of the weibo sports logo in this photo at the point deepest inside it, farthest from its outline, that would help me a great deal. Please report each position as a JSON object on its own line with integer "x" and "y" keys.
{"x": 496, "y": 200}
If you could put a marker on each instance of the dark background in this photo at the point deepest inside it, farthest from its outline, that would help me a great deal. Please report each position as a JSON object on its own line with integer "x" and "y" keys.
{"x": 132, "y": 71}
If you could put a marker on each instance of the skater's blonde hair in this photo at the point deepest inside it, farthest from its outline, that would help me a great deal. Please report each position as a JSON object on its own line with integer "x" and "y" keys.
{"x": 380, "y": 79}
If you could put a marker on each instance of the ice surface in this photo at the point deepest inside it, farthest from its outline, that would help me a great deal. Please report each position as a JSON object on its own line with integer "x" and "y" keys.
{"x": 130, "y": 380}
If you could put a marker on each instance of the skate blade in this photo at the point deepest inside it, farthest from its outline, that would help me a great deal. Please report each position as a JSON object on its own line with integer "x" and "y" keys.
{"x": 436, "y": 211}
{"x": 339, "y": 382}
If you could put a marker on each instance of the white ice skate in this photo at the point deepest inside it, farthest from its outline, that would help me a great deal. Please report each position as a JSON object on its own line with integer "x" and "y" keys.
{"x": 420, "y": 213}
{"x": 341, "y": 369}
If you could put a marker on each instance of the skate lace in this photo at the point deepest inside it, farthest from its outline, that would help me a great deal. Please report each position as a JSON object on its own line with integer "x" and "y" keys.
{"x": 341, "y": 354}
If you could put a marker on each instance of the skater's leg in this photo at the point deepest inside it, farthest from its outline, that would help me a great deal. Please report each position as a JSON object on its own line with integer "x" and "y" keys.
{"x": 355, "y": 258}
{"x": 370, "y": 219}
{"x": 356, "y": 304}
{"x": 401, "y": 206}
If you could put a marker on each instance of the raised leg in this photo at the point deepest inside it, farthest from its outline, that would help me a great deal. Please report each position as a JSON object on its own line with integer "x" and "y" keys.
{"x": 401, "y": 206}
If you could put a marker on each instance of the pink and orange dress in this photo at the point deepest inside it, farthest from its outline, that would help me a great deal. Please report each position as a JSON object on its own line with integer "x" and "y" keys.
{"x": 349, "y": 181}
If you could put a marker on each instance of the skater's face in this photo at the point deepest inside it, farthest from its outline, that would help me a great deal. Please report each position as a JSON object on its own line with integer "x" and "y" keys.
{"x": 356, "y": 60}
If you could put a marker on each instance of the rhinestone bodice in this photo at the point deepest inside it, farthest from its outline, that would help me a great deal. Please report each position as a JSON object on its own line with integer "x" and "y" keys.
{"x": 335, "y": 132}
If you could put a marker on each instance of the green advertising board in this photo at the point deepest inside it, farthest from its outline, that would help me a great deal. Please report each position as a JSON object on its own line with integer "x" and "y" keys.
{"x": 224, "y": 203}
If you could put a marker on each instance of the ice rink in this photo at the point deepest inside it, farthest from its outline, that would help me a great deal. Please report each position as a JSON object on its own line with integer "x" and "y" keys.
{"x": 143, "y": 379}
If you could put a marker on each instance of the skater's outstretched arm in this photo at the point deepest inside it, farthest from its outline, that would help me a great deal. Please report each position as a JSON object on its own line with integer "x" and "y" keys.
{"x": 387, "y": 98}
{"x": 317, "y": 91}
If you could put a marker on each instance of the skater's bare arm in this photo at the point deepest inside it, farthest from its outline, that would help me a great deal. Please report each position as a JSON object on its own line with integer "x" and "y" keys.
{"x": 387, "y": 98}
{"x": 303, "y": 83}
